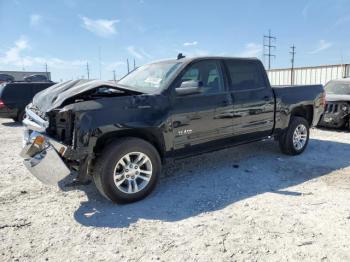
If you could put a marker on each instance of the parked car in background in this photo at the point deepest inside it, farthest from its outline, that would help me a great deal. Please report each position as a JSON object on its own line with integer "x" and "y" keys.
{"x": 337, "y": 109}
{"x": 4, "y": 78}
{"x": 36, "y": 78}
{"x": 14, "y": 97}
{"x": 119, "y": 134}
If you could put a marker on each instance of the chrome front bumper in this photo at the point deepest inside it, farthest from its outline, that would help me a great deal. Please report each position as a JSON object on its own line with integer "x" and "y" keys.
{"x": 43, "y": 161}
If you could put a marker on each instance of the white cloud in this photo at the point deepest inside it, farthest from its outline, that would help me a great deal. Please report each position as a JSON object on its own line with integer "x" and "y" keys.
{"x": 194, "y": 43}
{"x": 100, "y": 27}
{"x": 305, "y": 11}
{"x": 35, "y": 20}
{"x": 138, "y": 53}
{"x": 14, "y": 57}
{"x": 342, "y": 20}
{"x": 193, "y": 53}
{"x": 251, "y": 50}
{"x": 114, "y": 65}
{"x": 322, "y": 45}
{"x": 133, "y": 52}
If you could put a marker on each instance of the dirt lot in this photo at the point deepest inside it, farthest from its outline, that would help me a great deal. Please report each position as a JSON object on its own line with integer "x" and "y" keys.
{"x": 249, "y": 203}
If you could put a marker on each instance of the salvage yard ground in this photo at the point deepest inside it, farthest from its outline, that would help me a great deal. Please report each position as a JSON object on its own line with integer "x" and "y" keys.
{"x": 247, "y": 203}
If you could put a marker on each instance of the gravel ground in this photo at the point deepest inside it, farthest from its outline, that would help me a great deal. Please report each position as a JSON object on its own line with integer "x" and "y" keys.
{"x": 249, "y": 203}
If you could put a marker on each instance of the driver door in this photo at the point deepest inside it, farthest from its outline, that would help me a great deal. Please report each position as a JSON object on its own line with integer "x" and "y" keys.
{"x": 202, "y": 117}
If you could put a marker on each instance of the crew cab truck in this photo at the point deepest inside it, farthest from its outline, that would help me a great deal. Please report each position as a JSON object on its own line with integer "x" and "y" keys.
{"x": 120, "y": 133}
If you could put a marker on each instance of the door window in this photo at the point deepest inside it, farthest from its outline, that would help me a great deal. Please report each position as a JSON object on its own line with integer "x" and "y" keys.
{"x": 207, "y": 73}
{"x": 245, "y": 75}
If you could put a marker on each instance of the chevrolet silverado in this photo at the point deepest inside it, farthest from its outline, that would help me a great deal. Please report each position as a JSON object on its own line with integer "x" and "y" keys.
{"x": 120, "y": 133}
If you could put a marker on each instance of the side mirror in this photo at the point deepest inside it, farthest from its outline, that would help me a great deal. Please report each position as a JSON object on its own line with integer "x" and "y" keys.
{"x": 189, "y": 88}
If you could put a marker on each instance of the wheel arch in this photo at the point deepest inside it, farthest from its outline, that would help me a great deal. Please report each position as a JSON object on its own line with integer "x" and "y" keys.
{"x": 149, "y": 135}
{"x": 305, "y": 111}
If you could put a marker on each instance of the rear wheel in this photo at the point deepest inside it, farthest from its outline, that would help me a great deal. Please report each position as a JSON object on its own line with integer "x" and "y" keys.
{"x": 21, "y": 116}
{"x": 127, "y": 170}
{"x": 295, "y": 139}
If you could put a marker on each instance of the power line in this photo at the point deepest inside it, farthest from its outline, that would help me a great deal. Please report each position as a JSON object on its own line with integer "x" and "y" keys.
{"x": 269, "y": 46}
{"x": 292, "y": 52}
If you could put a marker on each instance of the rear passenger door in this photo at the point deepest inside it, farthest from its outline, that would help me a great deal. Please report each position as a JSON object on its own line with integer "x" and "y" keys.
{"x": 253, "y": 99}
{"x": 203, "y": 117}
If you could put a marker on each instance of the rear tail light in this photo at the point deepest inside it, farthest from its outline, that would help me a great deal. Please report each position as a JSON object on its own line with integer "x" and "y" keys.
{"x": 2, "y": 104}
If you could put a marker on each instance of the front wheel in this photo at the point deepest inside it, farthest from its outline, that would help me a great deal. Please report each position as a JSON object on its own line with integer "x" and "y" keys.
{"x": 127, "y": 170}
{"x": 295, "y": 138}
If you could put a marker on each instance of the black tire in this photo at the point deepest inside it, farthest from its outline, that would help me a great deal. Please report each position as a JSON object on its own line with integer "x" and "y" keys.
{"x": 104, "y": 168}
{"x": 286, "y": 139}
{"x": 21, "y": 116}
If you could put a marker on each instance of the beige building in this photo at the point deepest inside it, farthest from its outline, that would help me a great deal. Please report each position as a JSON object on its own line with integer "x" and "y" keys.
{"x": 20, "y": 75}
{"x": 308, "y": 75}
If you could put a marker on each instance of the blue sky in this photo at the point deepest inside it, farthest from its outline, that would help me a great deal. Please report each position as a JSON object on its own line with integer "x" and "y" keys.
{"x": 67, "y": 34}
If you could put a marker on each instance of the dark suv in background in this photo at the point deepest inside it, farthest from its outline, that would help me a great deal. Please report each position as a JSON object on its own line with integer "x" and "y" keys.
{"x": 14, "y": 96}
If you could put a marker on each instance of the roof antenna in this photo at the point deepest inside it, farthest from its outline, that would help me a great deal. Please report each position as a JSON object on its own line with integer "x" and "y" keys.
{"x": 180, "y": 56}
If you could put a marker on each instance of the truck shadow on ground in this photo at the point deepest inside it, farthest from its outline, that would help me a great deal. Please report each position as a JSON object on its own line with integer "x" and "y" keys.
{"x": 11, "y": 124}
{"x": 213, "y": 181}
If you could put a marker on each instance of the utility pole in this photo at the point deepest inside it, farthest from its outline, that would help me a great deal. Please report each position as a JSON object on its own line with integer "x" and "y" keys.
{"x": 23, "y": 69}
{"x": 292, "y": 52}
{"x": 88, "y": 70}
{"x": 46, "y": 71}
{"x": 114, "y": 76}
{"x": 127, "y": 63}
{"x": 269, "y": 40}
{"x": 134, "y": 64}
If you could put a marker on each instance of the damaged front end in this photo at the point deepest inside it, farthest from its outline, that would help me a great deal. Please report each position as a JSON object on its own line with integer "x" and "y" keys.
{"x": 62, "y": 125}
{"x": 42, "y": 154}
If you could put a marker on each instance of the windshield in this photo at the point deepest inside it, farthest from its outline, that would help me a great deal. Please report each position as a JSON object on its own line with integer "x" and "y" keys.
{"x": 338, "y": 88}
{"x": 150, "y": 78}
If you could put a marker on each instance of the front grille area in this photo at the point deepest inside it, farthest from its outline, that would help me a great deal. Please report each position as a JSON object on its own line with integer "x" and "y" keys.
{"x": 332, "y": 108}
{"x": 61, "y": 126}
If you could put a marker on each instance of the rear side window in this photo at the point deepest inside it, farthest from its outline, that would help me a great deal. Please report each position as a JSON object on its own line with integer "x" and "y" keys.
{"x": 245, "y": 75}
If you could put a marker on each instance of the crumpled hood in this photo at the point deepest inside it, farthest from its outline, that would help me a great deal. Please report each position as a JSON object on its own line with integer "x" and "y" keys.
{"x": 54, "y": 96}
{"x": 335, "y": 98}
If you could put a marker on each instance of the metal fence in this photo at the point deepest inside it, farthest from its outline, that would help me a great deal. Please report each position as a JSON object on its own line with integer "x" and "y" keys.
{"x": 308, "y": 75}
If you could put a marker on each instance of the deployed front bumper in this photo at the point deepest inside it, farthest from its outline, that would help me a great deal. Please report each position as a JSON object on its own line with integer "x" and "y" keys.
{"x": 43, "y": 159}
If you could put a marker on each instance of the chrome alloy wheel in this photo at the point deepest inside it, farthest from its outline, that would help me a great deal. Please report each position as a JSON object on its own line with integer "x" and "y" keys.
{"x": 300, "y": 137}
{"x": 133, "y": 172}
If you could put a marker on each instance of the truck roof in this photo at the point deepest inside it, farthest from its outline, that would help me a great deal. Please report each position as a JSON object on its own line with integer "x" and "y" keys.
{"x": 191, "y": 59}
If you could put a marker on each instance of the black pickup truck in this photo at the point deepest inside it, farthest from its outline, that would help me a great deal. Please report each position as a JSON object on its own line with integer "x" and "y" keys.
{"x": 15, "y": 96}
{"x": 120, "y": 133}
